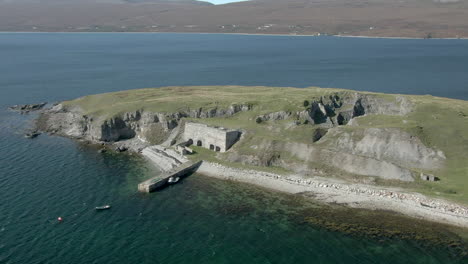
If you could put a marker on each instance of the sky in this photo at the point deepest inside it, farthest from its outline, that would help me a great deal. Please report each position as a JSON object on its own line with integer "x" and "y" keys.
{"x": 219, "y": 2}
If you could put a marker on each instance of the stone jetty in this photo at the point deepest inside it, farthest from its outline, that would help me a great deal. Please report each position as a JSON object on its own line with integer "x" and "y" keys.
{"x": 161, "y": 181}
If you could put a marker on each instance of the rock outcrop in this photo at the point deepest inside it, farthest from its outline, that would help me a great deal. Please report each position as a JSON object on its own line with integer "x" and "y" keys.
{"x": 388, "y": 153}
{"x": 303, "y": 158}
{"x": 339, "y": 108}
{"x": 281, "y": 115}
{"x": 389, "y": 144}
{"x": 26, "y": 108}
{"x": 166, "y": 159}
{"x": 71, "y": 122}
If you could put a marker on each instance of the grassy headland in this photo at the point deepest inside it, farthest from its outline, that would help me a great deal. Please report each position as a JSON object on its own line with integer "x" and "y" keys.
{"x": 282, "y": 144}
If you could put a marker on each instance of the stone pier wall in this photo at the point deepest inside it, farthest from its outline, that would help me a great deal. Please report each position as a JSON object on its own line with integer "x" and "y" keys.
{"x": 161, "y": 181}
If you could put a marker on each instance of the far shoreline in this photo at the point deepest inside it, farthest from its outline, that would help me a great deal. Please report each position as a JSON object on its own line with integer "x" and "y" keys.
{"x": 221, "y": 33}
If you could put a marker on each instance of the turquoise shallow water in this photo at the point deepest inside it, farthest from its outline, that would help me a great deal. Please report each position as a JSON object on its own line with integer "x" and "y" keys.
{"x": 201, "y": 220}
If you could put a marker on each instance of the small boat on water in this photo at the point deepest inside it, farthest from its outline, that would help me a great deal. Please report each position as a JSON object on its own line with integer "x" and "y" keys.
{"x": 173, "y": 180}
{"x": 104, "y": 207}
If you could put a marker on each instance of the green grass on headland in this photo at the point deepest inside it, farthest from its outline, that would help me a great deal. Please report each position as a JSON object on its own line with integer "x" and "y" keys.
{"x": 440, "y": 123}
{"x": 201, "y": 153}
{"x": 172, "y": 99}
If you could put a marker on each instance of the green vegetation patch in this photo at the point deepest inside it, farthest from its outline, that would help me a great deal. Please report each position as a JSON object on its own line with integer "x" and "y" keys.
{"x": 440, "y": 123}
{"x": 173, "y": 99}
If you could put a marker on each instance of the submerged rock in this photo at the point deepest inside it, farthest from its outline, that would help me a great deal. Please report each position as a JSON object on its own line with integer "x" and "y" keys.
{"x": 31, "y": 135}
{"x": 26, "y": 108}
{"x": 103, "y": 150}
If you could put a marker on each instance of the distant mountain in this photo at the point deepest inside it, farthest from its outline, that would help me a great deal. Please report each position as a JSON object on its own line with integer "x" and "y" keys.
{"x": 392, "y": 18}
{"x": 170, "y": 1}
{"x": 104, "y": 1}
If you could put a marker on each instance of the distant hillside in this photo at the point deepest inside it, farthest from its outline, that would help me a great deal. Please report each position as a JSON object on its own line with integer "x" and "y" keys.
{"x": 102, "y": 1}
{"x": 391, "y": 18}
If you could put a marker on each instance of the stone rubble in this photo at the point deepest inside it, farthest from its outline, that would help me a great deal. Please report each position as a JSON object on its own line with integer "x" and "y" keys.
{"x": 418, "y": 200}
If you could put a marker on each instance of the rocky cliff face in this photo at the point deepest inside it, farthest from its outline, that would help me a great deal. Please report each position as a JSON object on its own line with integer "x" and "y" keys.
{"x": 385, "y": 153}
{"x": 388, "y": 153}
{"x": 389, "y": 144}
{"x": 73, "y": 123}
{"x": 339, "y": 108}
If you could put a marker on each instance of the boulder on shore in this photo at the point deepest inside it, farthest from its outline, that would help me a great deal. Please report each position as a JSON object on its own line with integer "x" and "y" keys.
{"x": 26, "y": 108}
{"x": 121, "y": 149}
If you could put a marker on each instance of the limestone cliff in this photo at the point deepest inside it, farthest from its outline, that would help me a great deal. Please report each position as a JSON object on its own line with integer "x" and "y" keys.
{"x": 389, "y": 144}
{"x": 309, "y": 131}
{"x": 386, "y": 153}
{"x": 153, "y": 127}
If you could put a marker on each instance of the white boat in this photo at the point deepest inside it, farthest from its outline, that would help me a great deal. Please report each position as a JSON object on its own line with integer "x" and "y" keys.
{"x": 172, "y": 180}
{"x": 104, "y": 207}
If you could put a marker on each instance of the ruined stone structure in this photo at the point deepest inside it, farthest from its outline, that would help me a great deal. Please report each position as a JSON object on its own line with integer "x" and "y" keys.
{"x": 214, "y": 138}
{"x": 428, "y": 177}
{"x": 183, "y": 150}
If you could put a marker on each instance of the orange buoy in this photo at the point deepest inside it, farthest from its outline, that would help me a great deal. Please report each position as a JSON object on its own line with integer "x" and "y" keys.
{"x": 59, "y": 219}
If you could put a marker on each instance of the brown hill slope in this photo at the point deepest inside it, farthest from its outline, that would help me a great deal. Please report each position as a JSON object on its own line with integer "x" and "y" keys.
{"x": 391, "y": 18}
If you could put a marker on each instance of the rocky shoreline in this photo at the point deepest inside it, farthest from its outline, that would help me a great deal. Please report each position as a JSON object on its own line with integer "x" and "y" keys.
{"x": 352, "y": 195}
{"x": 328, "y": 190}
{"x": 26, "y": 108}
{"x": 358, "y": 136}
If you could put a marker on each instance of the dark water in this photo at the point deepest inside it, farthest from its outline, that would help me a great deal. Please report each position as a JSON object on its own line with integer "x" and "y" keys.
{"x": 201, "y": 220}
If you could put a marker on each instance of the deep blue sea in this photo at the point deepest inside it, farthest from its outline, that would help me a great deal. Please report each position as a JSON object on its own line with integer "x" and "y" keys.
{"x": 201, "y": 220}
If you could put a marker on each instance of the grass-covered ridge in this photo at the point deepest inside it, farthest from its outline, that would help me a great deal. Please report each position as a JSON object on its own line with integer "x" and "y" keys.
{"x": 440, "y": 123}
{"x": 172, "y": 99}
